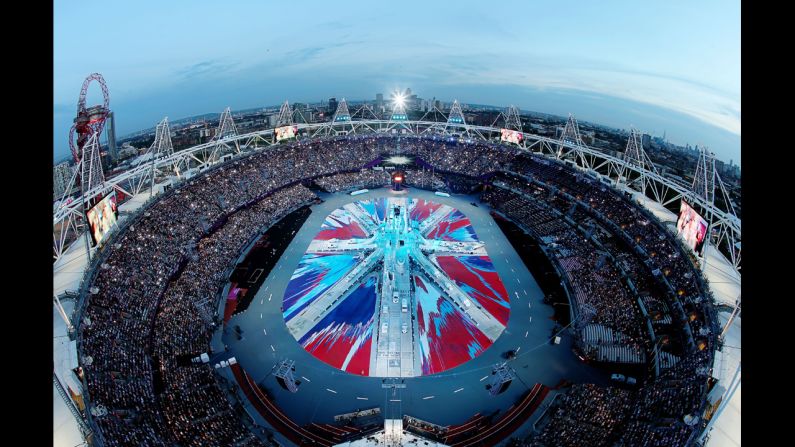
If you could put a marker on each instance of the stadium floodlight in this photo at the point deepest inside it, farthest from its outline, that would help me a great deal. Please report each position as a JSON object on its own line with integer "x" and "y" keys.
{"x": 399, "y": 100}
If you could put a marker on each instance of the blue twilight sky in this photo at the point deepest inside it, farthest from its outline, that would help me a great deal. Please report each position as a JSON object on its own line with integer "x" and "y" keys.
{"x": 670, "y": 66}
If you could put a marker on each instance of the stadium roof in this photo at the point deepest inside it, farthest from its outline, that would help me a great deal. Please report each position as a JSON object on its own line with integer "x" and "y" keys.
{"x": 726, "y": 430}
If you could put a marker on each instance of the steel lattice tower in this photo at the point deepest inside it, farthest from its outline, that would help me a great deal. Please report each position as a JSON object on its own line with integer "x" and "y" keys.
{"x": 162, "y": 146}
{"x": 570, "y": 135}
{"x": 512, "y": 120}
{"x": 226, "y": 129}
{"x": 636, "y": 156}
{"x": 704, "y": 178}
{"x": 456, "y": 116}
{"x": 285, "y": 115}
{"x": 571, "y": 132}
{"x": 91, "y": 174}
{"x": 634, "y": 153}
{"x": 342, "y": 114}
{"x": 398, "y": 112}
{"x": 226, "y": 126}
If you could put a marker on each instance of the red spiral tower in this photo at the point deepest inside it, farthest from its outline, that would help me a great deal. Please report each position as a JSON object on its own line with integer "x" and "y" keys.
{"x": 88, "y": 120}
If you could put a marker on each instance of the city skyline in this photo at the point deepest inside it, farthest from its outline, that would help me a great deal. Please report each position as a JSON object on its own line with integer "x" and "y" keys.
{"x": 683, "y": 81}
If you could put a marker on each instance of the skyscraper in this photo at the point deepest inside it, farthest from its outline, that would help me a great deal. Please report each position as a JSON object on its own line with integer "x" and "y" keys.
{"x": 110, "y": 129}
{"x": 332, "y": 105}
{"x": 646, "y": 141}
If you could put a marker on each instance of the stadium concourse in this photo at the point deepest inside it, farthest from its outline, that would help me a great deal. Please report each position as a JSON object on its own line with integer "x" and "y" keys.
{"x": 166, "y": 362}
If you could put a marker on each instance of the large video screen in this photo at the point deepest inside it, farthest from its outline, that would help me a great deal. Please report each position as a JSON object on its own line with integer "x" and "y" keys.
{"x": 691, "y": 227}
{"x": 285, "y": 132}
{"x": 511, "y": 136}
{"x": 102, "y": 217}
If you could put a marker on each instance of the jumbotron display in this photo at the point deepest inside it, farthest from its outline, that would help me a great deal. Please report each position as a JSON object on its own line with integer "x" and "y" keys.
{"x": 102, "y": 217}
{"x": 511, "y": 136}
{"x": 396, "y": 287}
{"x": 691, "y": 227}
{"x": 285, "y": 132}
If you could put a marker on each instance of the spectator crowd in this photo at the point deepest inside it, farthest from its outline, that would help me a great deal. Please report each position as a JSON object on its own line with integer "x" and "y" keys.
{"x": 154, "y": 288}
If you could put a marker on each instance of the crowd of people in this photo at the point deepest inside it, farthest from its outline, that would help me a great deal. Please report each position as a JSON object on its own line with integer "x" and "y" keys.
{"x": 474, "y": 159}
{"x": 153, "y": 295}
{"x": 665, "y": 254}
{"x": 425, "y": 179}
{"x": 585, "y": 415}
{"x": 656, "y": 415}
{"x": 659, "y": 415}
{"x": 601, "y": 295}
{"x": 349, "y": 181}
{"x": 153, "y": 289}
{"x": 183, "y": 325}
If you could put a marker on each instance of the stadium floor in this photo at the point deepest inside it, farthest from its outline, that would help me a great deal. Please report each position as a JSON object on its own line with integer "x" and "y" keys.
{"x": 457, "y": 394}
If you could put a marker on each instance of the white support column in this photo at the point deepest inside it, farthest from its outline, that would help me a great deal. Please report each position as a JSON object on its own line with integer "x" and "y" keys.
{"x": 731, "y": 318}
{"x": 61, "y": 311}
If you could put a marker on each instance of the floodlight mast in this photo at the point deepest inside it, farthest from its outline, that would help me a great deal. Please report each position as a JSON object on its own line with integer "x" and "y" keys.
{"x": 226, "y": 131}
{"x": 342, "y": 114}
{"x": 706, "y": 181}
{"x": 161, "y": 147}
{"x": 399, "y": 100}
{"x": 456, "y": 116}
{"x": 399, "y": 113}
{"x": 91, "y": 178}
{"x": 285, "y": 115}
{"x": 512, "y": 120}
{"x": 570, "y": 141}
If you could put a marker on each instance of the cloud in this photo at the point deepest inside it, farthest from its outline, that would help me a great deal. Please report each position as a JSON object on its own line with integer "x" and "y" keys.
{"x": 304, "y": 54}
{"x": 705, "y": 103}
{"x": 204, "y": 69}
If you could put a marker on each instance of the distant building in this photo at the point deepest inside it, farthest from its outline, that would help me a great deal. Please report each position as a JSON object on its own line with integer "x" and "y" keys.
{"x": 273, "y": 120}
{"x": 379, "y": 103}
{"x": 207, "y": 133}
{"x": 413, "y": 102}
{"x": 646, "y": 141}
{"x": 332, "y": 106}
{"x": 111, "y": 134}
{"x": 127, "y": 150}
{"x": 61, "y": 175}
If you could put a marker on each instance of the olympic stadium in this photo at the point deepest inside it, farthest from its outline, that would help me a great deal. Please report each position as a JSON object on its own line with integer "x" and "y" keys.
{"x": 387, "y": 281}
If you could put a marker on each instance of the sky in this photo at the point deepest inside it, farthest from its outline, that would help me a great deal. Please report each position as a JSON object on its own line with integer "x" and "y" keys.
{"x": 659, "y": 66}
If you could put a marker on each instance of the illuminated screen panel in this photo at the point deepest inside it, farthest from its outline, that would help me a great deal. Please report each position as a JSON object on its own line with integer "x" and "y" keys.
{"x": 691, "y": 227}
{"x": 511, "y": 136}
{"x": 285, "y": 132}
{"x": 102, "y": 217}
